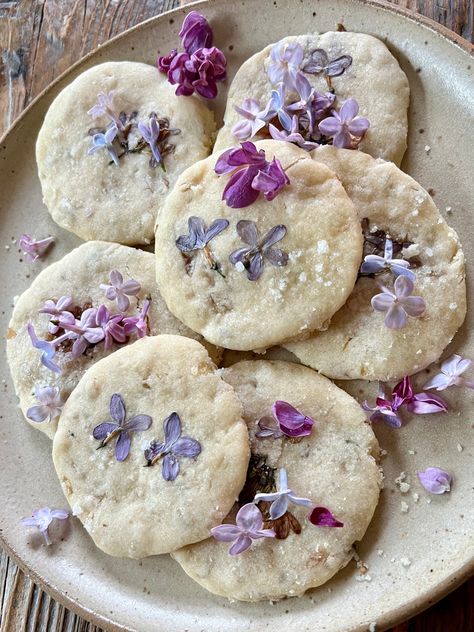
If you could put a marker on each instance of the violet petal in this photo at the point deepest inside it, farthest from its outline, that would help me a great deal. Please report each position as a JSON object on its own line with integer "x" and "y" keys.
{"x": 117, "y": 408}
{"x": 122, "y": 447}
{"x": 170, "y": 467}
{"x": 104, "y": 429}
{"x": 322, "y": 517}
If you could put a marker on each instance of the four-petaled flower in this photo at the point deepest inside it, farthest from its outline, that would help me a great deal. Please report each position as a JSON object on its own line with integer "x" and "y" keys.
{"x": 58, "y": 309}
{"x": 252, "y": 259}
{"x": 373, "y": 264}
{"x": 105, "y": 141}
{"x": 42, "y": 518}
{"x": 151, "y": 134}
{"x": 104, "y": 107}
{"x": 174, "y": 446}
{"x": 49, "y": 406}
{"x": 253, "y": 119}
{"x": 48, "y": 348}
{"x": 284, "y": 64}
{"x": 451, "y": 371}
{"x": 345, "y": 127}
{"x": 290, "y": 422}
{"x": 199, "y": 236}
{"x": 120, "y": 429}
{"x": 248, "y": 527}
{"x": 276, "y": 106}
{"x": 398, "y": 304}
{"x": 281, "y": 498}
{"x": 112, "y": 327}
{"x": 33, "y": 248}
{"x": 435, "y": 480}
{"x": 120, "y": 291}
{"x": 195, "y": 32}
{"x": 319, "y": 62}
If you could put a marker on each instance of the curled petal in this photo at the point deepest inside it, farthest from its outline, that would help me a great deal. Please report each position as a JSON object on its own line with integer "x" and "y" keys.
{"x": 279, "y": 507}
{"x": 59, "y": 514}
{"x": 322, "y": 517}
{"x": 435, "y": 480}
{"x": 440, "y": 382}
{"x": 427, "y": 403}
{"x": 249, "y": 518}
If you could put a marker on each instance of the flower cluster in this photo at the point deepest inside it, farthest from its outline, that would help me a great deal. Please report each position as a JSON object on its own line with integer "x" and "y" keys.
{"x": 295, "y": 111}
{"x": 287, "y": 421}
{"x": 76, "y": 329}
{"x": 200, "y": 66}
{"x": 403, "y": 396}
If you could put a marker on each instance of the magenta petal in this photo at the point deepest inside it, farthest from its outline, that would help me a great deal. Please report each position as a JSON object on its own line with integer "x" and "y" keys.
{"x": 427, "y": 403}
{"x": 402, "y": 393}
{"x": 238, "y": 192}
{"x": 291, "y": 421}
{"x": 322, "y": 517}
{"x": 302, "y": 431}
{"x": 122, "y": 447}
{"x": 240, "y": 545}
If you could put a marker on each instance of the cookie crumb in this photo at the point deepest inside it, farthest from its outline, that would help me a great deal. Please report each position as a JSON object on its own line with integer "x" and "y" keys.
{"x": 427, "y": 149}
{"x": 404, "y": 488}
{"x": 372, "y": 627}
{"x": 453, "y": 306}
{"x": 404, "y": 507}
{"x": 239, "y": 266}
{"x": 323, "y": 246}
{"x": 405, "y": 562}
{"x": 380, "y": 552}
{"x": 411, "y": 452}
{"x": 449, "y": 209}
{"x": 416, "y": 497}
{"x": 459, "y": 447}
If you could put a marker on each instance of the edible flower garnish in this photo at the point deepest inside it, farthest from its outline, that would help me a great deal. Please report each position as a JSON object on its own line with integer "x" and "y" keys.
{"x": 119, "y": 428}
{"x": 42, "y": 518}
{"x": 292, "y": 135}
{"x": 195, "y": 32}
{"x": 34, "y": 248}
{"x": 322, "y": 517}
{"x": 151, "y": 134}
{"x": 344, "y": 127}
{"x": 84, "y": 330}
{"x": 251, "y": 174}
{"x": 398, "y": 304}
{"x": 174, "y": 446}
{"x": 253, "y": 119}
{"x": 373, "y": 264}
{"x": 320, "y": 63}
{"x": 435, "y": 480}
{"x": 282, "y": 497}
{"x": 285, "y": 62}
{"x": 49, "y": 404}
{"x": 289, "y": 421}
{"x": 48, "y": 348}
{"x": 248, "y": 527}
{"x": 105, "y": 107}
{"x": 198, "y": 238}
{"x": 138, "y": 324}
{"x": 120, "y": 291}
{"x": 112, "y": 327}
{"x": 252, "y": 259}
{"x": 104, "y": 140}
{"x": 451, "y": 371}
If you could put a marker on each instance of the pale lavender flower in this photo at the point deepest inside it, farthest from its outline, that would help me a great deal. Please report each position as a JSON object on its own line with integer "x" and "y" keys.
{"x": 322, "y": 517}
{"x": 398, "y": 304}
{"x": 276, "y": 107}
{"x": 284, "y": 64}
{"x": 104, "y": 107}
{"x": 253, "y": 119}
{"x": 282, "y": 497}
{"x": 138, "y": 324}
{"x": 119, "y": 428}
{"x": 451, "y": 371}
{"x": 84, "y": 331}
{"x": 49, "y": 404}
{"x": 252, "y": 259}
{"x": 151, "y": 134}
{"x": 248, "y": 527}
{"x": 48, "y": 348}
{"x": 56, "y": 308}
{"x": 374, "y": 264}
{"x": 320, "y": 63}
{"x": 42, "y": 518}
{"x": 345, "y": 127}
{"x": 34, "y": 249}
{"x": 105, "y": 141}
{"x": 305, "y": 104}
{"x": 174, "y": 446}
{"x": 435, "y": 480}
{"x": 112, "y": 326}
{"x": 292, "y": 135}
{"x": 120, "y": 291}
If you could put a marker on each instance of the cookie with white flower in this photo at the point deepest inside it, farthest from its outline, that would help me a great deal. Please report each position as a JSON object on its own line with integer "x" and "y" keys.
{"x": 410, "y": 298}
{"x": 151, "y": 449}
{"x": 312, "y": 487}
{"x": 97, "y": 298}
{"x": 257, "y": 246}
{"x": 345, "y": 89}
{"x": 111, "y": 147}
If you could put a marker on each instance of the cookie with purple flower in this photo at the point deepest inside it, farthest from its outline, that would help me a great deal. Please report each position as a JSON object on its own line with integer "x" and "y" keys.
{"x": 257, "y": 245}
{"x": 312, "y": 487}
{"x": 91, "y": 302}
{"x": 111, "y": 147}
{"x": 151, "y": 449}
{"x": 339, "y": 88}
{"x": 410, "y": 297}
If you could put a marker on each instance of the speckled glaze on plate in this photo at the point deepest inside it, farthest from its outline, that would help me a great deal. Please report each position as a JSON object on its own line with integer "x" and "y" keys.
{"x": 414, "y": 558}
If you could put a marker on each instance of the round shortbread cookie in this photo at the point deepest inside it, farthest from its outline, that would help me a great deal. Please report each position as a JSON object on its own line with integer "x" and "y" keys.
{"x": 134, "y": 511}
{"x": 357, "y": 344}
{"x": 335, "y": 466}
{"x": 323, "y": 242}
{"x": 79, "y": 275}
{"x": 374, "y": 79}
{"x": 88, "y": 194}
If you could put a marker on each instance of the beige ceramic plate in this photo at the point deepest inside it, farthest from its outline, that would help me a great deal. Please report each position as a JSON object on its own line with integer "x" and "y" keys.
{"x": 435, "y": 539}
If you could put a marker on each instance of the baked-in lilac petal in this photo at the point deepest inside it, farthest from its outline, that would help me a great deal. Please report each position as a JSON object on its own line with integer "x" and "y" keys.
{"x": 349, "y": 110}
{"x": 240, "y": 545}
{"x": 247, "y": 231}
{"x": 249, "y": 518}
{"x": 330, "y": 126}
{"x": 322, "y": 517}
{"x": 172, "y": 429}
{"x": 413, "y": 305}
{"x": 139, "y": 422}
{"x": 274, "y": 235}
{"x": 217, "y": 226}
{"x": 37, "y": 413}
{"x": 276, "y": 256}
{"x": 115, "y": 278}
{"x": 131, "y": 287}
{"x": 170, "y": 467}
{"x": 185, "y": 446}
{"x": 403, "y": 287}
{"x": 238, "y": 192}
{"x": 440, "y": 382}
{"x": 279, "y": 507}
{"x": 238, "y": 255}
{"x": 104, "y": 429}
{"x": 382, "y": 302}
{"x": 122, "y": 447}
{"x": 255, "y": 268}
{"x": 319, "y": 60}
{"x": 435, "y": 480}
{"x": 117, "y": 408}
{"x": 336, "y": 67}
{"x": 427, "y": 403}
{"x": 225, "y": 532}
{"x": 396, "y": 317}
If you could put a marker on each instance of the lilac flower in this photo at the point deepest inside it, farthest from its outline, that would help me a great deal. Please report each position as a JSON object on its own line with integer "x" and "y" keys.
{"x": 451, "y": 371}
{"x": 49, "y": 406}
{"x": 307, "y": 94}
{"x": 322, "y": 517}
{"x": 251, "y": 173}
{"x": 119, "y": 291}
{"x": 60, "y": 322}
{"x": 276, "y": 107}
{"x": 34, "y": 249}
{"x": 151, "y": 134}
{"x": 195, "y": 32}
{"x": 281, "y": 498}
{"x": 42, "y": 518}
{"x": 48, "y": 349}
{"x": 198, "y": 238}
{"x": 435, "y": 480}
{"x": 373, "y": 264}
{"x": 398, "y": 304}
{"x": 56, "y": 308}
{"x": 112, "y": 327}
{"x": 292, "y": 135}
{"x": 104, "y": 107}
{"x": 319, "y": 62}
{"x": 290, "y": 422}
{"x": 174, "y": 446}
{"x": 84, "y": 331}
{"x": 253, "y": 119}
{"x": 345, "y": 127}
{"x": 198, "y": 72}
{"x": 119, "y": 428}
{"x": 105, "y": 141}
{"x": 426, "y": 404}
{"x": 321, "y": 104}
{"x": 248, "y": 527}
{"x": 285, "y": 62}
{"x": 252, "y": 259}
{"x": 138, "y": 324}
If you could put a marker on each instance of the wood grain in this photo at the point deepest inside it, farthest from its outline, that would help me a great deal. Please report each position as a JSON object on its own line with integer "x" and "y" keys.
{"x": 39, "y": 39}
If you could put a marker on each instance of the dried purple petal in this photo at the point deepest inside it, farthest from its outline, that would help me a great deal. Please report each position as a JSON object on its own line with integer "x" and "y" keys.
{"x": 435, "y": 480}
{"x": 291, "y": 421}
{"x": 252, "y": 259}
{"x": 248, "y": 527}
{"x": 319, "y": 62}
{"x": 322, "y": 517}
{"x": 198, "y": 238}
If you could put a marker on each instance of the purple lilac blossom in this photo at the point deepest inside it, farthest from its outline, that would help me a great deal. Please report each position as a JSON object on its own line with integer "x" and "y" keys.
{"x": 322, "y": 517}
{"x": 345, "y": 127}
{"x": 398, "y": 304}
{"x": 120, "y": 428}
{"x": 112, "y": 327}
{"x": 42, "y": 518}
{"x": 252, "y": 121}
{"x": 56, "y": 310}
{"x": 105, "y": 141}
{"x": 451, "y": 371}
{"x": 151, "y": 133}
{"x": 199, "y": 236}
{"x": 85, "y": 331}
{"x": 435, "y": 480}
{"x": 282, "y": 497}
{"x": 195, "y": 32}
{"x": 174, "y": 446}
{"x": 291, "y": 422}
{"x": 104, "y": 107}
{"x": 374, "y": 264}
{"x": 34, "y": 249}
{"x": 276, "y": 106}
{"x": 49, "y": 404}
{"x": 284, "y": 64}
{"x": 292, "y": 135}
{"x": 48, "y": 348}
{"x": 248, "y": 527}
{"x": 252, "y": 258}
{"x": 138, "y": 324}
{"x": 119, "y": 291}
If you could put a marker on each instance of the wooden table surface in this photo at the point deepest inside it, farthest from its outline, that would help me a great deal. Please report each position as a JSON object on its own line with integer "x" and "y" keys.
{"x": 39, "y": 39}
